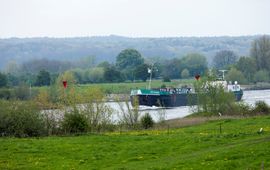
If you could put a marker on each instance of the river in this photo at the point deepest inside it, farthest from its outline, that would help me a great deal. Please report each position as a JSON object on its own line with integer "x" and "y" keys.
{"x": 249, "y": 97}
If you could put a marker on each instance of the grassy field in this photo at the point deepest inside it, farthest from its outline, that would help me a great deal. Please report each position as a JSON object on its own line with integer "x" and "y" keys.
{"x": 119, "y": 88}
{"x": 239, "y": 146}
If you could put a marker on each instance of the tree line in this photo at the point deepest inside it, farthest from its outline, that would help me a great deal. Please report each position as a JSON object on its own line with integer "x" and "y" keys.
{"x": 130, "y": 66}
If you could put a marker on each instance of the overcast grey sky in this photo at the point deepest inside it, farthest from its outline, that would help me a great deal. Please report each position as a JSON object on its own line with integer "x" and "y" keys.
{"x": 133, "y": 18}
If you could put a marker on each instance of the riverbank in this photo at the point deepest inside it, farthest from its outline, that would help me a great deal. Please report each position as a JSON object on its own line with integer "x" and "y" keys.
{"x": 238, "y": 145}
{"x": 257, "y": 86}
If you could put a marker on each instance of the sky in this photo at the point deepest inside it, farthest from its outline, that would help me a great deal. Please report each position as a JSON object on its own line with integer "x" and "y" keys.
{"x": 133, "y": 18}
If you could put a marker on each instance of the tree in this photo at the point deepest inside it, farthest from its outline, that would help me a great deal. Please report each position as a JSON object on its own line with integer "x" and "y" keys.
{"x": 79, "y": 75}
{"x": 172, "y": 68}
{"x": 224, "y": 58}
{"x": 43, "y": 78}
{"x": 111, "y": 74}
{"x": 185, "y": 73}
{"x": 86, "y": 62}
{"x": 141, "y": 72}
{"x": 260, "y": 50}
{"x": 247, "y": 66}
{"x": 235, "y": 75}
{"x": 3, "y": 80}
{"x": 12, "y": 67}
{"x": 104, "y": 64}
{"x": 127, "y": 60}
{"x": 147, "y": 121}
{"x": 212, "y": 99}
{"x": 96, "y": 74}
{"x": 261, "y": 76}
{"x": 195, "y": 63}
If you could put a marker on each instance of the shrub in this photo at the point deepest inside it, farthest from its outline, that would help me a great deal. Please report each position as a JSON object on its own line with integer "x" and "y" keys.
{"x": 147, "y": 121}
{"x": 6, "y": 93}
{"x": 74, "y": 122}
{"x": 166, "y": 79}
{"x": 22, "y": 92}
{"x": 261, "y": 108}
{"x": 212, "y": 98}
{"x": 239, "y": 108}
{"x": 244, "y": 108}
{"x": 20, "y": 119}
{"x": 97, "y": 112}
{"x": 129, "y": 115}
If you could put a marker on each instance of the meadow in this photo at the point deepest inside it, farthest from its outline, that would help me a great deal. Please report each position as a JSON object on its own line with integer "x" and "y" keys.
{"x": 238, "y": 145}
{"x": 124, "y": 88}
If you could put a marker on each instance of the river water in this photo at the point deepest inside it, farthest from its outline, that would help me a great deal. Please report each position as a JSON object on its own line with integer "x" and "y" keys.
{"x": 249, "y": 97}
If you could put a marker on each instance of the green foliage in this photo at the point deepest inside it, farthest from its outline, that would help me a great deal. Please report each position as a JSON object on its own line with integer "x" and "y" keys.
{"x": 3, "y": 80}
{"x": 94, "y": 75}
{"x": 106, "y": 48}
{"x": 111, "y": 74}
{"x": 261, "y": 76}
{"x": 85, "y": 62}
{"x": 22, "y": 92}
{"x": 261, "y": 108}
{"x": 196, "y": 63}
{"x": 98, "y": 113}
{"x": 235, "y": 75}
{"x": 129, "y": 115}
{"x": 247, "y": 66}
{"x": 13, "y": 79}
{"x": 260, "y": 50}
{"x": 6, "y": 93}
{"x": 185, "y": 74}
{"x": 127, "y": 61}
{"x": 74, "y": 122}
{"x": 147, "y": 121}
{"x": 166, "y": 79}
{"x": 43, "y": 78}
{"x": 224, "y": 58}
{"x": 53, "y": 66}
{"x": 141, "y": 72}
{"x": 212, "y": 98}
{"x": 239, "y": 146}
{"x": 20, "y": 119}
{"x": 66, "y": 96}
{"x": 172, "y": 68}
{"x": 104, "y": 64}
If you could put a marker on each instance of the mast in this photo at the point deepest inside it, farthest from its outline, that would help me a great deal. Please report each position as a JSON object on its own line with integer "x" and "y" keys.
{"x": 223, "y": 73}
{"x": 150, "y": 72}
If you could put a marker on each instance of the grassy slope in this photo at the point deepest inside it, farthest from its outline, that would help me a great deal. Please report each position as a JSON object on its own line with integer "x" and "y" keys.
{"x": 198, "y": 147}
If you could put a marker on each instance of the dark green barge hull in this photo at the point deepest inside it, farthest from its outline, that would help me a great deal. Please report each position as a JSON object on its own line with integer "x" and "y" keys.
{"x": 171, "y": 100}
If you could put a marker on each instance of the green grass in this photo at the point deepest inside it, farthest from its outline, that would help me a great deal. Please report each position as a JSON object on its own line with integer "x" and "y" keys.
{"x": 118, "y": 88}
{"x": 195, "y": 147}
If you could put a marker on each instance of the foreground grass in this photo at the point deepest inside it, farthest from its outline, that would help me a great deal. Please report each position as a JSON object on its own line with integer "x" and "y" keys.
{"x": 239, "y": 146}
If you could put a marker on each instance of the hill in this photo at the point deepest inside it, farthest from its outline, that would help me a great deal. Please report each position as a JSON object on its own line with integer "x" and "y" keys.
{"x": 106, "y": 48}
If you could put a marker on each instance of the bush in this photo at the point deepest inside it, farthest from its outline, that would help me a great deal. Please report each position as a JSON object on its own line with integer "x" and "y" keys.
{"x": 244, "y": 108}
{"x": 147, "y": 121}
{"x": 22, "y": 92}
{"x": 261, "y": 108}
{"x": 74, "y": 122}
{"x": 238, "y": 108}
{"x": 20, "y": 119}
{"x": 166, "y": 79}
{"x": 6, "y": 93}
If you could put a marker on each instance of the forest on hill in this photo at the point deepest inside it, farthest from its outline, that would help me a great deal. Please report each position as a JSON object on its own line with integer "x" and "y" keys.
{"x": 106, "y": 48}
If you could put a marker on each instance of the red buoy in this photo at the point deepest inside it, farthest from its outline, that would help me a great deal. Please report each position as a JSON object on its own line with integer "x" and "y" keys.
{"x": 197, "y": 77}
{"x": 65, "y": 84}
